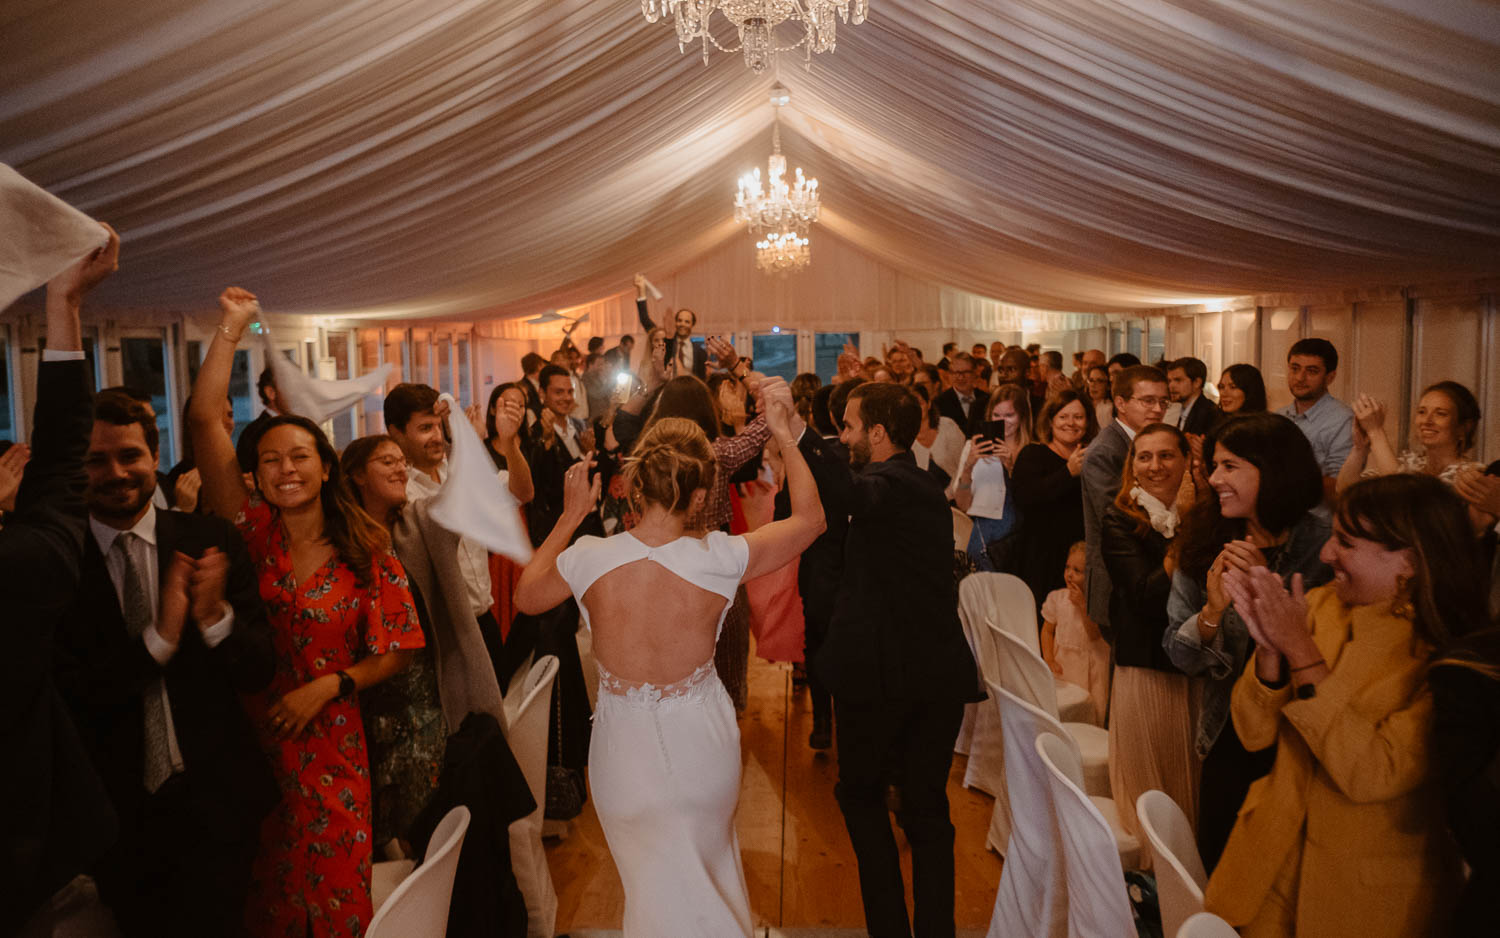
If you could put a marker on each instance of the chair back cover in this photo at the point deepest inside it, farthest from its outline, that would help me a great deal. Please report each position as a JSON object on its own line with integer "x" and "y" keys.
{"x": 1180, "y": 876}
{"x": 979, "y": 736}
{"x": 1023, "y": 672}
{"x": 1097, "y": 904}
{"x": 1205, "y": 925}
{"x": 1032, "y": 898}
{"x": 528, "y": 741}
{"x": 418, "y": 908}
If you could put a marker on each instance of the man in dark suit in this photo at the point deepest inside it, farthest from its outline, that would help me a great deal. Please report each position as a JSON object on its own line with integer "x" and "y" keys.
{"x": 894, "y": 658}
{"x": 961, "y": 403}
{"x": 684, "y": 356}
{"x": 165, "y": 633}
{"x": 1140, "y": 394}
{"x": 58, "y": 816}
{"x": 1185, "y": 379}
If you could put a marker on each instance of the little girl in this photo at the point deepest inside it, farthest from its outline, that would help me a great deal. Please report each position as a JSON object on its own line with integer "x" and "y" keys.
{"x": 1071, "y": 642}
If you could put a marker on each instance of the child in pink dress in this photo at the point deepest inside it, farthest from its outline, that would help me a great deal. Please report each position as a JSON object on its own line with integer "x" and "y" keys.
{"x": 1071, "y": 642}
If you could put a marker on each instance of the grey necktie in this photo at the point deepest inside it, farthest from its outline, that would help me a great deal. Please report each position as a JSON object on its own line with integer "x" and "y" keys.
{"x": 136, "y": 606}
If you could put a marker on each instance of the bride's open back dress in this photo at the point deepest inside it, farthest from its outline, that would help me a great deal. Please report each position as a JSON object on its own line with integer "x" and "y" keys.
{"x": 664, "y": 763}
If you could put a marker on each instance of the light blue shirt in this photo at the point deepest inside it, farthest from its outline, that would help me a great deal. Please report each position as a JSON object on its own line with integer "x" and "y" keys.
{"x": 1329, "y": 426}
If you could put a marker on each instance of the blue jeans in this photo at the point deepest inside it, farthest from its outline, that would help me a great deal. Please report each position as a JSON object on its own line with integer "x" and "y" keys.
{"x": 987, "y": 531}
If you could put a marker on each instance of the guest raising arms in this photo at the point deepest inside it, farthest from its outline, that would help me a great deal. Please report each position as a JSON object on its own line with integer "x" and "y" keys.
{"x": 342, "y": 620}
{"x": 1446, "y": 425}
{"x": 1345, "y": 837}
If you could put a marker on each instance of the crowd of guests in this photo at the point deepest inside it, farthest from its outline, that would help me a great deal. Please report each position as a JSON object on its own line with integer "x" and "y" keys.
{"x": 245, "y": 685}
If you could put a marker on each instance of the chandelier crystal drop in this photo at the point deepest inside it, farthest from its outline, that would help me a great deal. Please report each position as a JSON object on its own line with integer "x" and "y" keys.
{"x": 756, "y": 22}
{"x": 783, "y": 252}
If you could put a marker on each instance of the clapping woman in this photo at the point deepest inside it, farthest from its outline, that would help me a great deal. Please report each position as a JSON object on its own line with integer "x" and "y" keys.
{"x": 342, "y": 620}
{"x": 1345, "y": 836}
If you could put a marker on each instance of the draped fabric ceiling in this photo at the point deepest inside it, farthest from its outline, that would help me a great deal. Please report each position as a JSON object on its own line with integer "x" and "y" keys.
{"x": 492, "y": 158}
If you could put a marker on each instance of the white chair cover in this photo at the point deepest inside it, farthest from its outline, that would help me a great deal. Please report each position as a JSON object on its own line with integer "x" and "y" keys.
{"x": 1180, "y": 877}
{"x": 528, "y": 741}
{"x": 1206, "y": 925}
{"x": 385, "y": 876}
{"x": 981, "y": 597}
{"x": 1032, "y": 898}
{"x": 1097, "y": 904}
{"x": 1025, "y": 674}
{"x": 418, "y": 908}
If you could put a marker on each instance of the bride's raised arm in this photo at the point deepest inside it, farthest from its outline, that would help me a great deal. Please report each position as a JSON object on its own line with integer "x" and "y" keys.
{"x": 780, "y": 542}
{"x": 541, "y": 587}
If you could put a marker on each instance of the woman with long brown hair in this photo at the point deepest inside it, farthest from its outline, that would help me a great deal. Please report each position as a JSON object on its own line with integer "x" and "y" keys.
{"x": 1345, "y": 836}
{"x": 342, "y": 620}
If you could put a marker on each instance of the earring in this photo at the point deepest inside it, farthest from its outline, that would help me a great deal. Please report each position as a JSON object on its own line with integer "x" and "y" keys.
{"x": 1401, "y": 602}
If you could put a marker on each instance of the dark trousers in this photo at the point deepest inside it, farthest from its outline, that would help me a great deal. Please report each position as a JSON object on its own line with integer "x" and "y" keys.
{"x": 816, "y": 614}
{"x": 1228, "y": 771}
{"x": 172, "y": 875}
{"x": 915, "y": 741}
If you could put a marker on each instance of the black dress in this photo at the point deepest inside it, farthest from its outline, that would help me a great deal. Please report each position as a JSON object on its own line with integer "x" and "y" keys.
{"x": 1051, "y": 503}
{"x": 1466, "y": 750}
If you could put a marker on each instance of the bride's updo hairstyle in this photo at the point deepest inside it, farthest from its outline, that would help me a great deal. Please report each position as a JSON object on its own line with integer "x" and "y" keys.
{"x": 670, "y": 461}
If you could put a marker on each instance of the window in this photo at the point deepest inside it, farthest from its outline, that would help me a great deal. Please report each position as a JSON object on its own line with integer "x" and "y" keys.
{"x": 421, "y": 357}
{"x": 775, "y": 354}
{"x": 143, "y": 366}
{"x": 346, "y": 424}
{"x": 827, "y": 346}
{"x": 7, "y": 418}
{"x": 242, "y": 393}
{"x": 465, "y": 392}
{"x": 1156, "y": 340}
{"x": 443, "y": 351}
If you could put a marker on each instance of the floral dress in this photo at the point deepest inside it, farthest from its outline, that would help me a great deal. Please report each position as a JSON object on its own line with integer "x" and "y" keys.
{"x": 315, "y": 848}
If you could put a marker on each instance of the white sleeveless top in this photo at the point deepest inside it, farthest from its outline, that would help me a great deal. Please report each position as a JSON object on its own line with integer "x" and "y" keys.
{"x": 715, "y": 563}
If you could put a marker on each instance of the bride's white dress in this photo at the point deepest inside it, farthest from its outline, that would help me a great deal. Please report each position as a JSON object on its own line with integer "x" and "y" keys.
{"x": 664, "y": 762}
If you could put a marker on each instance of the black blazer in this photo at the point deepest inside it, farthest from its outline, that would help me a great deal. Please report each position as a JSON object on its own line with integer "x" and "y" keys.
{"x": 700, "y": 357}
{"x": 895, "y": 634}
{"x": 1202, "y": 417}
{"x": 950, "y": 406}
{"x": 1139, "y": 588}
{"x": 103, "y": 675}
{"x": 58, "y": 820}
{"x": 549, "y": 460}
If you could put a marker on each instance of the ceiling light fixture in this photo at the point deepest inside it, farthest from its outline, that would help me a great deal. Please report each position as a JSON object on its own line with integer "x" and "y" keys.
{"x": 778, "y": 213}
{"x": 756, "y": 21}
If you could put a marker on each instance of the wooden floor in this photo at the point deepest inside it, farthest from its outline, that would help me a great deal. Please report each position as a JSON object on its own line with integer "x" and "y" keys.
{"x": 798, "y": 863}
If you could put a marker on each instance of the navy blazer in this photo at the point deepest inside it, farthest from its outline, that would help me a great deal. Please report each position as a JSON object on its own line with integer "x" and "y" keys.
{"x": 103, "y": 675}
{"x": 895, "y": 634}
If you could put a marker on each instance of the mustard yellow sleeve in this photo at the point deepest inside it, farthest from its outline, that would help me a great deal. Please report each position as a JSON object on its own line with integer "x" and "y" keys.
{"x": 1256, "y": 709}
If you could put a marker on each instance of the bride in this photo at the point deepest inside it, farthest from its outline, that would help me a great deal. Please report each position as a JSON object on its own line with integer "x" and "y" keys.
{"x": 664, "y": 763}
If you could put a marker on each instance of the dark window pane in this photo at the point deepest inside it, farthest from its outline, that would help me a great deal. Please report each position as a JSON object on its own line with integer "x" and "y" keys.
{"x": 143, "y": 365}
{"x": 775, "y": 354}
{"x": 827, "y": 346}
{"x": 7, "y": 427}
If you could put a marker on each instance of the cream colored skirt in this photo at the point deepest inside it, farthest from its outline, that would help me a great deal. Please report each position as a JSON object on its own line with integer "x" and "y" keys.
{"x": 1151, "y": 719}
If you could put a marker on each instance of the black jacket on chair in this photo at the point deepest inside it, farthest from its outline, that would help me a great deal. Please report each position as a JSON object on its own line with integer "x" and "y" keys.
{"x": 895, "y": 633}
{"x": 58, "y": 816}
{"x": 103, "y": 675}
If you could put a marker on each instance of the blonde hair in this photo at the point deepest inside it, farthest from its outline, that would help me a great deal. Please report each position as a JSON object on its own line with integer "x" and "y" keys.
{"x": 670, "y": 461}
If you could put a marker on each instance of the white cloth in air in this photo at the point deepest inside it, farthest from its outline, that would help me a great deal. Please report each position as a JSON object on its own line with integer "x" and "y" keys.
{"x": 474, "y": 503}
{"x": 43, "y": 235}
{"x": 664, "y": 761}
{"x": 315, "y": 398}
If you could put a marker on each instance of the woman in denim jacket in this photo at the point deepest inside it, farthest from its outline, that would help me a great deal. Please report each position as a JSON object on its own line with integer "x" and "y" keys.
{"x": 1264, "y": 484}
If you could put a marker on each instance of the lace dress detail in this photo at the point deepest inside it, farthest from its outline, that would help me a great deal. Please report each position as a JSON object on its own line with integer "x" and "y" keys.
{"x": 697, "y": 687}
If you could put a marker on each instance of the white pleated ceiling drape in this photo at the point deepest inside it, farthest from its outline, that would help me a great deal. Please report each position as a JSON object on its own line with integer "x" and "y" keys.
{"x": 490, "y": 158}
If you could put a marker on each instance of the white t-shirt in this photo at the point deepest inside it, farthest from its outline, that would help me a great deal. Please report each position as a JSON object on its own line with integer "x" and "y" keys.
{"x": 989, "y": 485}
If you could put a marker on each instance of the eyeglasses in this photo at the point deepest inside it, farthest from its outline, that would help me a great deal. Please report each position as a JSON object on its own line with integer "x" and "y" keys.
{"x": 960, "y": 371}
{"x": 390, "y": 462}
{"x": 1151, "y": 401}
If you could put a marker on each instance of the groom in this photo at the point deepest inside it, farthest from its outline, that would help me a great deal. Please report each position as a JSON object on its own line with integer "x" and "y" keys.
{"x": 895, "y": 658}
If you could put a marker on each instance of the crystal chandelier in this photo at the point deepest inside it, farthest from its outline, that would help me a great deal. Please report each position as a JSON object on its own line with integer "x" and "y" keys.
{"x": 776, "y": 212}
{"x": 756, "y": 21}
{"x": 782, "y": 252}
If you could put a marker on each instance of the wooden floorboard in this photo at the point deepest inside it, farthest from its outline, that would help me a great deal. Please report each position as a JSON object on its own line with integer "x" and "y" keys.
{"x": 799, "y": 866}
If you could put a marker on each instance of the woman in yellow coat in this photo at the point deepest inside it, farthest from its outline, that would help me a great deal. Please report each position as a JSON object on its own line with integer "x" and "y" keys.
{"x": 1345, "y": 836}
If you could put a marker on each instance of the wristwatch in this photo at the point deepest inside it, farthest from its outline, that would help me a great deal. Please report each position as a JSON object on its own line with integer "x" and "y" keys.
{"x": 346, "y": 683}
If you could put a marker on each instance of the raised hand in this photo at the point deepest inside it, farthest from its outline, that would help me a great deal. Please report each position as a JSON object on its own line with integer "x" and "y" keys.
{"x": 1075, "y": 460}
{"x": 721, "y": 352}
{"x": 12, "y": 467}
{"x": 239, "y": 307}
{"x": 172, "y": 603}
{"x": 205, "y": 588}
{"x": 88, "y": 271}
{"x": 1480, "y": 490}
{"x": 508, "y": 417}
{"x": 1369, "y": 414}
{"x": 580, "y": 492}
{"x": 185, "y": 495}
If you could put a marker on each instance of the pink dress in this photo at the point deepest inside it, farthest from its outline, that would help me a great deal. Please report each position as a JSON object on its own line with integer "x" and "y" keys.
{"x": 313, "y": 867}
{"x": 1084, "y": 662}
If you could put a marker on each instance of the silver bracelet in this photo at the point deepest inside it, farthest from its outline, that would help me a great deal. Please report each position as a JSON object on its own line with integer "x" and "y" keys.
{"x": 233, "y": 339}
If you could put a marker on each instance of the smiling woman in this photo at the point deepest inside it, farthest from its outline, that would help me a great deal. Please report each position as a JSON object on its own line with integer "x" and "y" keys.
{"x": 342, "y": 620}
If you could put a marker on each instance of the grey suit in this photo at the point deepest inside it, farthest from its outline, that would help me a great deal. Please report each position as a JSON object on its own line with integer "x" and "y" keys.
{"x": 1101, "y": 483}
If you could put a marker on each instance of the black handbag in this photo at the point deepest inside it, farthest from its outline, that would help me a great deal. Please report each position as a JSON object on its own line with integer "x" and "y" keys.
{"x": 567, "y": 789}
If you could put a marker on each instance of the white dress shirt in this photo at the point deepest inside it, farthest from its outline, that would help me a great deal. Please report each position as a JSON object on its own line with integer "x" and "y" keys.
{"x": 143, "y": 552}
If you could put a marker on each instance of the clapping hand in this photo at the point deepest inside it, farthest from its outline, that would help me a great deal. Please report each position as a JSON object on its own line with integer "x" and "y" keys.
{"x": 1276, "y": 618}
{"x": 508, "y": 417}
{"x": 12, "y": 467}
{"x": 185, "y": 493}
{"x": 1075, "y": 460}
{"x": 205, "y": 587}
{"x": 172, "y": 601}
{"x": 1480, "y": 490}
{"x": 1369, "y": 414}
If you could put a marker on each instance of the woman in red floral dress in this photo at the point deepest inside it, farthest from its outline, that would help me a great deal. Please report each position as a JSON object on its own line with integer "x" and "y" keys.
{"x": 342, "y": 619}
